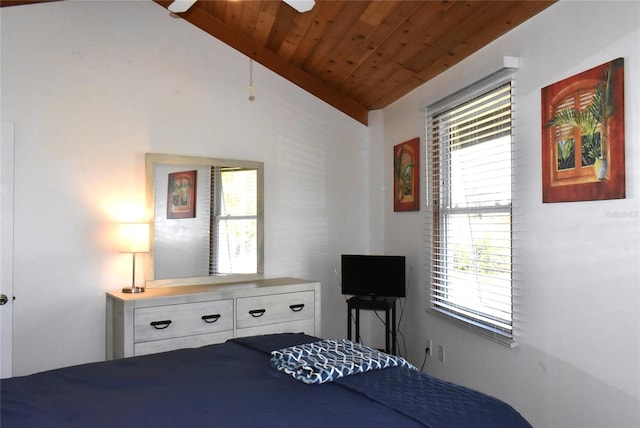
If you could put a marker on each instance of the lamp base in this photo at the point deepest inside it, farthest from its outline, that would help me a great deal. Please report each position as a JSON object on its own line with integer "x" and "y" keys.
{"x": 133, "y": 290}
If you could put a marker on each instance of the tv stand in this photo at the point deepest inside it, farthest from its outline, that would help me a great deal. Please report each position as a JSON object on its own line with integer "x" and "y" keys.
{"x": 370, "y": 298}
{"x": 373, "y": 303}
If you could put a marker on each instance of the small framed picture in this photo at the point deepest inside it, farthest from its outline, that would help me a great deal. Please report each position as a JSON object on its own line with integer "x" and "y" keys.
{"x": 406, "y": 176}
{"x": 181, "y": 195}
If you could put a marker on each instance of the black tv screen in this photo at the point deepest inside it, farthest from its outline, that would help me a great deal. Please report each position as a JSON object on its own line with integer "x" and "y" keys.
{"x": 369, "y": 275}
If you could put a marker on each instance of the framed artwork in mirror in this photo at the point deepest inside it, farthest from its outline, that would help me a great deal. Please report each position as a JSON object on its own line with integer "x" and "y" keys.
{"x": 406, "y": 176}
{"x": 181, "y": 195}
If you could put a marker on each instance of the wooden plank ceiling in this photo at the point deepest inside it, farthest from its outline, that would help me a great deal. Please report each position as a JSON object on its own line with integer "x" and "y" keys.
{"x": 358, "y": 55}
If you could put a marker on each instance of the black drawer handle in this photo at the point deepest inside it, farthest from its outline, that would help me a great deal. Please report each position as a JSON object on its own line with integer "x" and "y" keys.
{"x": 257, "y": 313}
{"x": 211, "y": 318}
{"x": 160, "y": 325}
{"x": 296, "y": 308}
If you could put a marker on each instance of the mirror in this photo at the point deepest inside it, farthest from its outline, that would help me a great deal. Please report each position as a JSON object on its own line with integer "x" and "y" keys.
{"x": 207, "y": 218}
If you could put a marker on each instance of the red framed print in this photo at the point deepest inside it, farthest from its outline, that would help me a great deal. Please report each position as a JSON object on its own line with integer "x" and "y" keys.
{"x": 406, "y": 177}
{"x": 583, "y": 135}
{"x": 181, "y": 195}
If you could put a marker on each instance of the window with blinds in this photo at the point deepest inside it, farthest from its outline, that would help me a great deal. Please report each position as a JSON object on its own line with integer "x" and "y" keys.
{"x": 471, "y": 216}
{"x": 234, "y": 223}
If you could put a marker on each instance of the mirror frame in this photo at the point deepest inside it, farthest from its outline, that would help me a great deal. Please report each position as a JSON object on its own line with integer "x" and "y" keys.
{"x": 153, "y": 159}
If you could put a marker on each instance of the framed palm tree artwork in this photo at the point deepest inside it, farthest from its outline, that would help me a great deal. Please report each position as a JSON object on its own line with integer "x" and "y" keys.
{"x": 583, "y": 154}
{"x": 406, "y": 176}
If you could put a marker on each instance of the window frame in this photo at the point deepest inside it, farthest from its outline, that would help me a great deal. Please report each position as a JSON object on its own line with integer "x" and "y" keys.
{"x": 440, "y": 212}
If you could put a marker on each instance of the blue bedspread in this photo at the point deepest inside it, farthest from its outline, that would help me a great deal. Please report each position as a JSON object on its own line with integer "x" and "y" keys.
{"x": 432, "y": 402}
{"x": 233, "y": 385}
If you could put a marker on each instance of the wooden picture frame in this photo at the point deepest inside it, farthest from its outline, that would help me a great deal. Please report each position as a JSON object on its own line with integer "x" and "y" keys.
{"x": 406, "y": 176}
{"x": 181, "y": 195}
{"x": 583, "y": 136}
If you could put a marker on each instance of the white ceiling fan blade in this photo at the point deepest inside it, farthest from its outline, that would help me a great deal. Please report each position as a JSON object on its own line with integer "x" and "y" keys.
{"x": 301, "y": 5}
{"x": 179, "y": 6}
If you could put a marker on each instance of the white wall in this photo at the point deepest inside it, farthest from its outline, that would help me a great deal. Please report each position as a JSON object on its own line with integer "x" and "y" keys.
{"x": 92, "y": 86}
{"x": 578, "y": 363}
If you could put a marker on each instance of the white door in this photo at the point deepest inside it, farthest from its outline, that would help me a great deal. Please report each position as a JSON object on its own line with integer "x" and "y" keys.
{"x": 6, "y": 247}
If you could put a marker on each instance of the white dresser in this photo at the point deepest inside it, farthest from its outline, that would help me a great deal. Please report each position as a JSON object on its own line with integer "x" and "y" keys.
{"x": 162, "y": 319}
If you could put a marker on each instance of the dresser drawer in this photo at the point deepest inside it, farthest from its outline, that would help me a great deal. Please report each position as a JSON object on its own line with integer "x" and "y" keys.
{"x": 302, "y": 326}
{"x": 144, "y": 348}
{"x": 276, "y": 308}
{"x": 171, "y": 321}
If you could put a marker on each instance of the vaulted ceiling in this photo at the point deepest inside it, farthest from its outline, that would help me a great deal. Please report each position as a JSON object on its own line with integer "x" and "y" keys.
{"x": 357, "y": 55}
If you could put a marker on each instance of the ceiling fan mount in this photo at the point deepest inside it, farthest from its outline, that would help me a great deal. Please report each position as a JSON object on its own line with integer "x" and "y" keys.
{"x": 180, "y": 6}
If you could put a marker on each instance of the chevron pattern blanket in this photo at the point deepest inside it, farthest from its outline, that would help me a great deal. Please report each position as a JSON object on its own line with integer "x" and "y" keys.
{"x": 328, "y": 360}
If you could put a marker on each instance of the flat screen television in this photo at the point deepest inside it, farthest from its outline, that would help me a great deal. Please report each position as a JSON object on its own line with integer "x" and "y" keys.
{"x": 370, "y": 275}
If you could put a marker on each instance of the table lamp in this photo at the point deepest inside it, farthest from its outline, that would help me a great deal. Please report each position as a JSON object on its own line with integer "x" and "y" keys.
{"x": 134, "y": 238}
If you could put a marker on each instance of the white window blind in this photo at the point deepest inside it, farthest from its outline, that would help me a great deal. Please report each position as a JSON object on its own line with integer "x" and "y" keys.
{"x": 470, "y": 232}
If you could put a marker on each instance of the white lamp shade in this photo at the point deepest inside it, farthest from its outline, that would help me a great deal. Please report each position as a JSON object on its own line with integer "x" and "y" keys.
{"x": 134, "y": 238}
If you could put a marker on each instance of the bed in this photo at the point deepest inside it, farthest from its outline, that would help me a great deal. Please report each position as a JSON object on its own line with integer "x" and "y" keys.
{"x": 236, "y": 384}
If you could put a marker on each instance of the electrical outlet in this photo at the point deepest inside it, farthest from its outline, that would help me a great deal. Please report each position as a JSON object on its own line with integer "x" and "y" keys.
{"x": 441, "y": 353}
{"x": 428, "y": 350}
